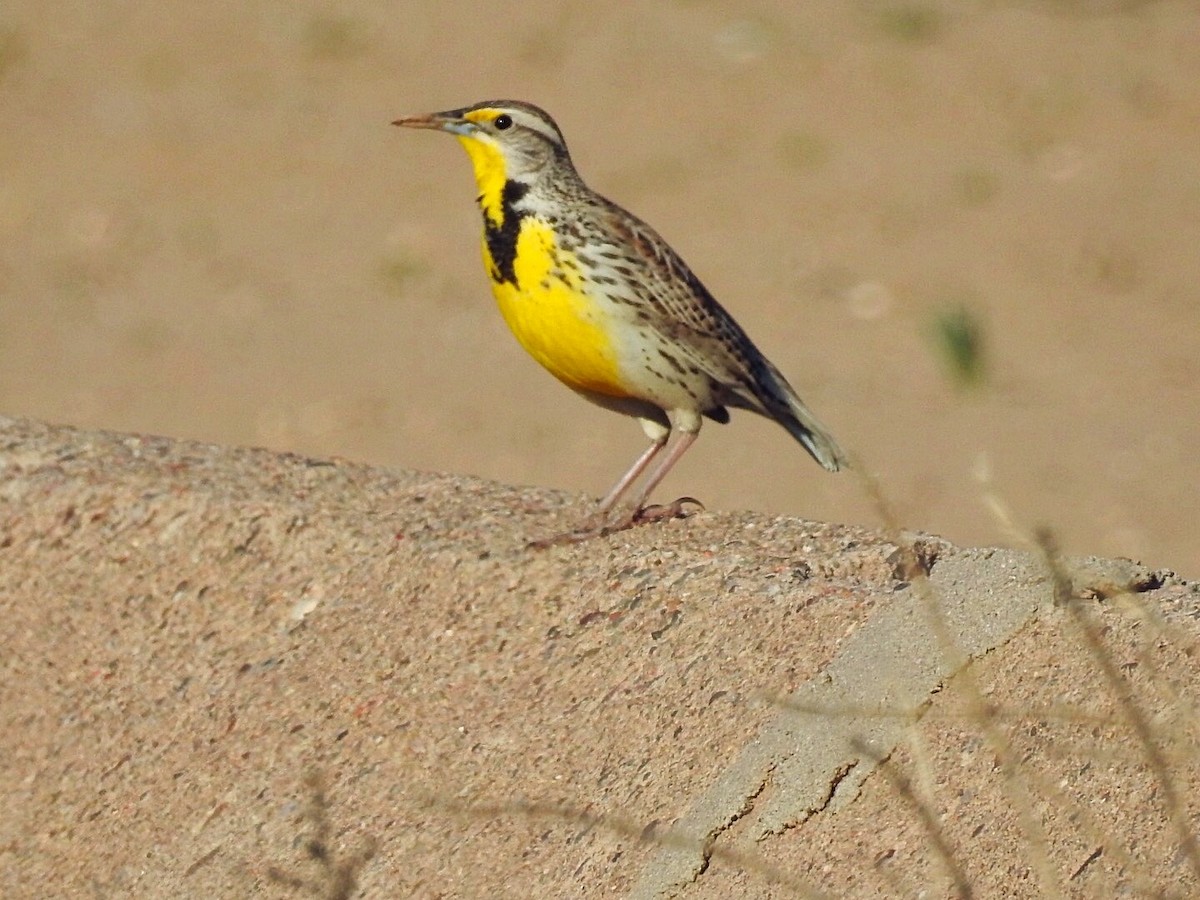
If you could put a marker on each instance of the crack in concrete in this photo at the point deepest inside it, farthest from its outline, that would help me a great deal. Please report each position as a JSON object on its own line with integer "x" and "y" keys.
{"x": 835, "y": 785}
{"x": 891, "y": 665}
{"x": 710, "y": 840}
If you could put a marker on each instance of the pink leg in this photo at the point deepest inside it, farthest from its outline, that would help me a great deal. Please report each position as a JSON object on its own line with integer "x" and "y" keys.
{"x": 686, "y": 439}
{"x": 635, "y": 471}
{"x": 596, "y": 525}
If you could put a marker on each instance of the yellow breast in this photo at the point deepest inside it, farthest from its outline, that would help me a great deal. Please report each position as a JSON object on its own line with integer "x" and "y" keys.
{"x": 550, "y": 311}
{"x": 538, "y": 285}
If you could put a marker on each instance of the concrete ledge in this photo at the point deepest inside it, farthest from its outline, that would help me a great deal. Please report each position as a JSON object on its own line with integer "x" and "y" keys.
{"x": 191, "y": 631}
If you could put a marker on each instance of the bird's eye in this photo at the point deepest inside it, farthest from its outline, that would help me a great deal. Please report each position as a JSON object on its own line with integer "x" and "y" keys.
{"x": 502, "y": 122}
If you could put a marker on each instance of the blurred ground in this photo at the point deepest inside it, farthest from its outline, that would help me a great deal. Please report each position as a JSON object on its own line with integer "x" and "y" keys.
{"x": 208, "y": 229}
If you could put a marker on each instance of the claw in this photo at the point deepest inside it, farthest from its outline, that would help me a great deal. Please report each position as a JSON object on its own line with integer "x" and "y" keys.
{"x": 591, "y": 527}
{"x": 676, "y": 509}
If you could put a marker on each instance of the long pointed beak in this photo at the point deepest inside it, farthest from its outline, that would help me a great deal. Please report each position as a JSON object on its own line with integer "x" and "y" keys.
{"x": 437, "y": 122}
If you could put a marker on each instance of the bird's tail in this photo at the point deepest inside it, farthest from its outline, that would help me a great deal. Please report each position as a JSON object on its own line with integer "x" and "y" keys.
{"x": 786, "y": 408}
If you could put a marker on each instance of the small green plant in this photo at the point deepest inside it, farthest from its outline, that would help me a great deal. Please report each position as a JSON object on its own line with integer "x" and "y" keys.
{"x": 957, "y": 335}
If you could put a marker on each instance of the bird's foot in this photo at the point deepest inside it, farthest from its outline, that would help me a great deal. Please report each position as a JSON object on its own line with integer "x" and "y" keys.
{"x": 597, "y": 526}
{"x": 593, "y": 526}
{"x": 574, "y": 536}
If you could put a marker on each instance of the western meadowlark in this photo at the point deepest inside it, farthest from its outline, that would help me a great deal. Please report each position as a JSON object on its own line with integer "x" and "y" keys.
{"x": 601, "y": 301}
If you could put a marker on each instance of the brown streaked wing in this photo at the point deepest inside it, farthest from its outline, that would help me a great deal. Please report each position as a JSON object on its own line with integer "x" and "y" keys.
{"x": 682, "y": 310}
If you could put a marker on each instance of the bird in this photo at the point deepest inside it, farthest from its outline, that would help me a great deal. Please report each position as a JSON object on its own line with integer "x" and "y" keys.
{"x": 602, "y": 302}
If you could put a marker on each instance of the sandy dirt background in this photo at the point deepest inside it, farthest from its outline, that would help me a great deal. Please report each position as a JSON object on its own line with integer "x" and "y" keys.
{"x": 208, "y": 229}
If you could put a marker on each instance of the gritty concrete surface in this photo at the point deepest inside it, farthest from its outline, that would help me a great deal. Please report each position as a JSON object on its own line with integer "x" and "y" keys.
{"x": 233, "y": 673}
